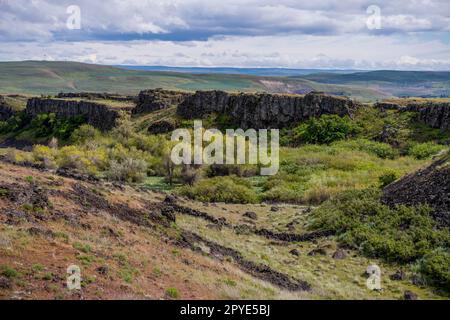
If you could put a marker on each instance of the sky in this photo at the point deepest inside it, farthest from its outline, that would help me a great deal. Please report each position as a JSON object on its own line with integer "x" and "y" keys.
{"x": 323, "y": 34}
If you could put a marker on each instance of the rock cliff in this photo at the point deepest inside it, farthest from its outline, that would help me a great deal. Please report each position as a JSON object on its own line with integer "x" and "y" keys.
{"x": 95, "y": 95}
{"x": 156, "y": 99}
{"x": 98, "y": 115}
{"x": 436, "y": 115}
{"x": 6, "y": 111}
{"x": 264, "y": 110}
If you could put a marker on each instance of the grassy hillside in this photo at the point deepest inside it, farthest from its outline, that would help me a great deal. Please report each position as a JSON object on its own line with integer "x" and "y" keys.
{"x": 40, "y": 77}
{"x": 49, "y": 77}
{"x": 395, "y": 83}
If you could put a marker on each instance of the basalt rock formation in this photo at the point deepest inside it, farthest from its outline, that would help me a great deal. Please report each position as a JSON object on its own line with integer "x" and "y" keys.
{"x": 428, "y": 186}
{"x": 263, "y": 110}
{"x": 156, "y": 99}
{"x": 95, "y": 95}
{"x": 436, "y": 115}
{"x": 6, "y": 111}
{"x": 98, "y": 115}
{"x": 433, "y": 114}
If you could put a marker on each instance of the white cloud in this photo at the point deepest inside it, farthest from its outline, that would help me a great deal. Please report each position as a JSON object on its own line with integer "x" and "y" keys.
{"x": 285, "y": 33}
{"x": 301, "y": 51}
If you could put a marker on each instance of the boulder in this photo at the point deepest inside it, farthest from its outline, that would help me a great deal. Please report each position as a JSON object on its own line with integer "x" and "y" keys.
{"x": 251, "y": 215}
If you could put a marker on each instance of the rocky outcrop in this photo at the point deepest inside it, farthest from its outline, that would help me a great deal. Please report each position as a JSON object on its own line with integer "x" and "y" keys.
{"x": 427, "y": 186}
{"x": 162, "y": 126}
{"x": 96, "y": 95}
{"x": 6, "y": 111}
{"x": 263, "y": 110}
{"x": 156, "y": 99}
{"x": 387, "y": 106}
{"x": 98, "y": 115}
{"x": 436, "y": 115}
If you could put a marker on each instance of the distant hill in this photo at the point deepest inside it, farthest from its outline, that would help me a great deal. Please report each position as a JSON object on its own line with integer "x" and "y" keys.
{"x": 51, "y": 77}
{"x": 263, "y": 72}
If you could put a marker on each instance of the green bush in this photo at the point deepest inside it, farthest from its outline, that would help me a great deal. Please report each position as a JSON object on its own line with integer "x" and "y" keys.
{"x": 129, "y": 170}
{"x": 387, "y": 178}
{"x": 172, "y": 293}
{"x": 221, "y": 189}
{"x": 49, "y": 125}
{"x": 402, "y": 234}
{"x": 381, "y": 150}
{"x": 424, "y": 150}
{"x": 435, "y": 267}
{"x": 15, "y": 123}
{"x": 323, "y": 130}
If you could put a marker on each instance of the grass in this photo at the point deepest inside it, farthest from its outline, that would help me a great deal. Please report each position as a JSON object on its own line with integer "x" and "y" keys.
{"x": 172, "y": 293}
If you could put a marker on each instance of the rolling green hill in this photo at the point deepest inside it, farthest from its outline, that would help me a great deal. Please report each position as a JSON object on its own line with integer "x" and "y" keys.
{"x": 51, "y": 77}
{"x": 42, "y": 77}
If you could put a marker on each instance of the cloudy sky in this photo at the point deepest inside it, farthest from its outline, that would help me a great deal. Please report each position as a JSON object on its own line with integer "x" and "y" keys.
{"x": 353, "y": 34}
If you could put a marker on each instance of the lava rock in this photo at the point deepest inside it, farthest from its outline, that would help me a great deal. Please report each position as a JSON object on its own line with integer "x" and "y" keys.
{"x": 317, "y": 252}
{"x": 251, "y": 215}
{"x": 399, "y": 275}
{"x": 339, "y": 254}
{"x": 295, "y": 252}
{"x": 409, "y": 295}
{"x": 5, "y": 283}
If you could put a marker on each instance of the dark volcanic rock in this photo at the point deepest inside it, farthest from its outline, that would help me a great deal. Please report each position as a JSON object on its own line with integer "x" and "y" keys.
{"x": 6, "y": 111}
{"x": 5, "y": 283}
{"x": 96, "y": 95}
{"x": 409, "y": 295}
{"x": 251, "y": 215}
{"x": 339, "y": 254}
{"x": 318, "y": 252}
{"x": 427, "y": 186}
{"x": 98, "y": 115}
{"x": 263, "y": 110}
{"x": 157, "y": 99}
{"x": 399, "y": 275}
{"x": 436, "y": 115}
{"x": 295, "y": 252}
{"x": 162, "y": 126}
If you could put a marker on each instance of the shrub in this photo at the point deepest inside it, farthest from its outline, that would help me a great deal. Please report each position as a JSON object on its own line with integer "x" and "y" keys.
{"x": 45, "y": 155}
{"x": 435, "y": 267}
{"x": 323, "y": 130}
{"x": 9, "y": 272}
{"x": 422, "y": 151}
{"x": 387, "y": 178}
{"x": 381, "y": 150}
{"x": 402, "y": 234}
{"x": 221, "y": 189}
{"x": 172, "y": 293}
{"x": 129, "y": 170}
{"x": 84, "y": 133}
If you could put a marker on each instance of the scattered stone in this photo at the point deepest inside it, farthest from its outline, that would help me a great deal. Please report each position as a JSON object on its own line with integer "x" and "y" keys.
{"x": 274, "y": 209}
{"x": 339, "y": 254}
{"x": 295, "y": 252}
{"x": 317, "y": 251}
{"x": 409, "y": 295}
{"x": 251, "y": 215}
{"x": 102, "y": 270}
{"x": 5, "y": 283}
{"x": 170, "y": 199}
{"x": 399, "y": 275}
